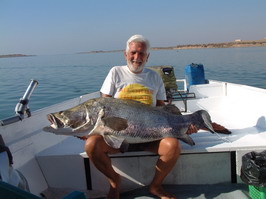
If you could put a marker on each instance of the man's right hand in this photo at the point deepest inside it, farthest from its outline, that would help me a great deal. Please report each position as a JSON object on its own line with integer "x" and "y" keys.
{"x": 192, "y": 129}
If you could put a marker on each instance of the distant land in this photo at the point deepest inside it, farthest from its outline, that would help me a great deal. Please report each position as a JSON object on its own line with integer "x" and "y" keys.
{"x": 235, "y": 44}
{"x": 15, "y": 55}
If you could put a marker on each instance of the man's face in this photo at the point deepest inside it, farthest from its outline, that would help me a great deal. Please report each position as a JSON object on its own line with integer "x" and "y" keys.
{"x": 136, "y": 56}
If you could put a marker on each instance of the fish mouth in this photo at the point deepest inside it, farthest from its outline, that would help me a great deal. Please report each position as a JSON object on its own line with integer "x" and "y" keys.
{"x": 55, "y": 122}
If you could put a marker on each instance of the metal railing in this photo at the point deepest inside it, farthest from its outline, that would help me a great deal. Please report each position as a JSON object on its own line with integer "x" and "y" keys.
{"x": 22, "y": 107}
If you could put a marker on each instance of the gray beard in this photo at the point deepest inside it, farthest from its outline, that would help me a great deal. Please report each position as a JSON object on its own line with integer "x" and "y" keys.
{"x": 136, "y": 70}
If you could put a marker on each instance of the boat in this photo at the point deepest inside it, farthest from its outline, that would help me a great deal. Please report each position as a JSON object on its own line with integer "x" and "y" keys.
{"x": 55, "y": 166}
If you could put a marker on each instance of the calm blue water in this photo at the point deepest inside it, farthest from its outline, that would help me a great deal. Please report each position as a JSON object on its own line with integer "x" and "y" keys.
{"x": 63, "y": 77}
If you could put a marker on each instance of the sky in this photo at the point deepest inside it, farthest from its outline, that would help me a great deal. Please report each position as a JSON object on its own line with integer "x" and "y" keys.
{"x": 36, "y": 27}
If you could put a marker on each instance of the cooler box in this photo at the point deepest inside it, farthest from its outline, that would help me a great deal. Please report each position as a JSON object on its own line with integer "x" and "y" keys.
{"x": 194, "y": 74}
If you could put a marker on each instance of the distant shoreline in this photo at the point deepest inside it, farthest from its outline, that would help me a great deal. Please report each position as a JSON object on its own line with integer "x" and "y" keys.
{"x": 235, "y": 44}
{"x": 15, "y": 55}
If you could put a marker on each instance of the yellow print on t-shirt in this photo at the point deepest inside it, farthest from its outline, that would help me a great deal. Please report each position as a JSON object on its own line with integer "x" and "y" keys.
{"x": 136, "y": 92}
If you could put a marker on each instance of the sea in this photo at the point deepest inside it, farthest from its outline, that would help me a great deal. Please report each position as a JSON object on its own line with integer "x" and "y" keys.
{"x": 66, "y": 76}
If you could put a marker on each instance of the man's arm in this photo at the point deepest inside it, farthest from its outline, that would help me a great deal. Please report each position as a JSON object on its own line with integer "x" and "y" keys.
{"x": 160, "y": 103}
{"x": 105, "y": 95}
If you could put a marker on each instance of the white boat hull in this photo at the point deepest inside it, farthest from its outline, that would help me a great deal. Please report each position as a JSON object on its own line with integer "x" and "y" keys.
{"x": 49, "y": 160}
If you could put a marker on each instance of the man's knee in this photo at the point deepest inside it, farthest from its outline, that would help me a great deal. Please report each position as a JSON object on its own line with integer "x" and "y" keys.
{"x": 170, "y": 146}
{"x": 93, "y": 144}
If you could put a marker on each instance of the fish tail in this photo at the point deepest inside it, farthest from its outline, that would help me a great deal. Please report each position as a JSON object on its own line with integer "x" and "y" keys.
{"x": 205, "y": 120}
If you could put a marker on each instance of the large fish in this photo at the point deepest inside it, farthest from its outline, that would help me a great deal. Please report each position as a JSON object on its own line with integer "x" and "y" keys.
{"x": 123, "y": 122}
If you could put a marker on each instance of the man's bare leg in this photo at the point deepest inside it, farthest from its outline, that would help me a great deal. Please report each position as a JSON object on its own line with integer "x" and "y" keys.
{"x": 97, "y": 150}
{"x": 169, "y": 150}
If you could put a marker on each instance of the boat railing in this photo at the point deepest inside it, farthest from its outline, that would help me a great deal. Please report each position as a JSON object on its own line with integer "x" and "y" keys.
{"x": 181, "y": 93}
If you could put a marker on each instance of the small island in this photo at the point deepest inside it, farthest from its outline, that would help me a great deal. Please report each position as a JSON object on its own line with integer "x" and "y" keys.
{"x": 15, "y": 55}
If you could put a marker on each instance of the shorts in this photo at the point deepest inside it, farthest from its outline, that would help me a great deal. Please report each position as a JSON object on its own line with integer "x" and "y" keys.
{"x": 142, "y": 146}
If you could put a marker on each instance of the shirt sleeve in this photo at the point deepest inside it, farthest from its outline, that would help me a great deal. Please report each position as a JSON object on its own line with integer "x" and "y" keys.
{"x": 108, "y": 86}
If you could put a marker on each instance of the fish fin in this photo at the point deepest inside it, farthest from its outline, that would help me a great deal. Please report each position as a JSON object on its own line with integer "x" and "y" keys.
{"x": 98, "y": 129}
{"x": 113, "y": 141}
{"x": 99, "y": 126}
{"x": 187, "y": 139}
{"x": 84, "y": 128}
{"x": 60, "y": 131}
{"x": 171, "y": 108}
{"x": 115, "y": 123}
{"x": 206, "y": 120}
{"x": 48, "y": 129}
{"x": 124, "y": 146}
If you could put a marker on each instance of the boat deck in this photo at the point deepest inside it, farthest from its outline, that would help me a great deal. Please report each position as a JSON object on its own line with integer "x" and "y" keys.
{"x": 218, "y": 191}
{"x": 199, "y": 191}
{"x": 212, "y": 165}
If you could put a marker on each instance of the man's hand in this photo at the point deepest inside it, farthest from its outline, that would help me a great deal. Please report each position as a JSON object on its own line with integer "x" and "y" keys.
{"x": 220, "y": 129}
{"x": 105, "y": 95}
{"x": 192, "y": 129}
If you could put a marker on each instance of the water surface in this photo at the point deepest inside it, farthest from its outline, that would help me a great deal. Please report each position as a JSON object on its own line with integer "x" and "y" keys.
{"x": 63, "y": 77}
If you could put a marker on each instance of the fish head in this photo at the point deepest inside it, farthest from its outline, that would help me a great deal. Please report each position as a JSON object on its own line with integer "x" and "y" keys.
{"x": 74, "y": 121}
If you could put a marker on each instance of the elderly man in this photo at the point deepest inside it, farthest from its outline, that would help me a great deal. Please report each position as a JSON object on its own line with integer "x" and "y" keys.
{"x": 134, "y": 81}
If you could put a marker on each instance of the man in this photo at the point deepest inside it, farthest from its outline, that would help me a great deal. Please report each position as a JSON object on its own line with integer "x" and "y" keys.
{"x": 135, "y": 82}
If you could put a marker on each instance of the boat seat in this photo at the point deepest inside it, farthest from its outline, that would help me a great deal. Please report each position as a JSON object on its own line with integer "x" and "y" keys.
{"x": 224, "y": 152}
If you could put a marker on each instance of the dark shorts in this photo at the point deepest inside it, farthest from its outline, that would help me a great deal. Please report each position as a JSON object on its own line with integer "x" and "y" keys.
{"x": 142, "y": 146}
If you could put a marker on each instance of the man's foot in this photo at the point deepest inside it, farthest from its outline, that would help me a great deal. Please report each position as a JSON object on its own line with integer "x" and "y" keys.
{"x": 160, "y": 192}
{"x": 113, "y": 193}
{"x": 220, "y": 129}
{"x": 114, "y": 189}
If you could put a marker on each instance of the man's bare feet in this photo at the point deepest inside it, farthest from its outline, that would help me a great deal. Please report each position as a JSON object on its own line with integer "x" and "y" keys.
{"x": 114, "y": 188}
{"x": 160, "y": 192}
{"x": 220, "y": 129}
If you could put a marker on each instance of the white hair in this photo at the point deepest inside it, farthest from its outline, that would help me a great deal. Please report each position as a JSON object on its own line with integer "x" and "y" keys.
{"x": 138, "y": 38}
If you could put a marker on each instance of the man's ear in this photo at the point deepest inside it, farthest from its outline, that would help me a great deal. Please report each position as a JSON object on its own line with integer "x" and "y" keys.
{"x": 125, "y": 55}
{"x": 147, "y": 57}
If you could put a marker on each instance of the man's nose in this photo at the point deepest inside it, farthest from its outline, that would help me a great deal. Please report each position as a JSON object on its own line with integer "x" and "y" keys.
{"x": 137, "y": 56}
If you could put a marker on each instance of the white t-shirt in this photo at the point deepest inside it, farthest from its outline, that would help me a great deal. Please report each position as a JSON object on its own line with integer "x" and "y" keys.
{"x": 146, "y": 87}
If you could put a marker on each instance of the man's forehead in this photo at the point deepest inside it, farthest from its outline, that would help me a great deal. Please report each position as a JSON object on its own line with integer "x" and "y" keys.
{"x": 138, "y": 44}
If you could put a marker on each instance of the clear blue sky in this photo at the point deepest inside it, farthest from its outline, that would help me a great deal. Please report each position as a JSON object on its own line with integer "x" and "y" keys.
{"x": 69, "y": 26}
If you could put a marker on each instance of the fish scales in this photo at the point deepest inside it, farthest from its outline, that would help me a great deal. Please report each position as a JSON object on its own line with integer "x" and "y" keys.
{"x": 125, "y": 121}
